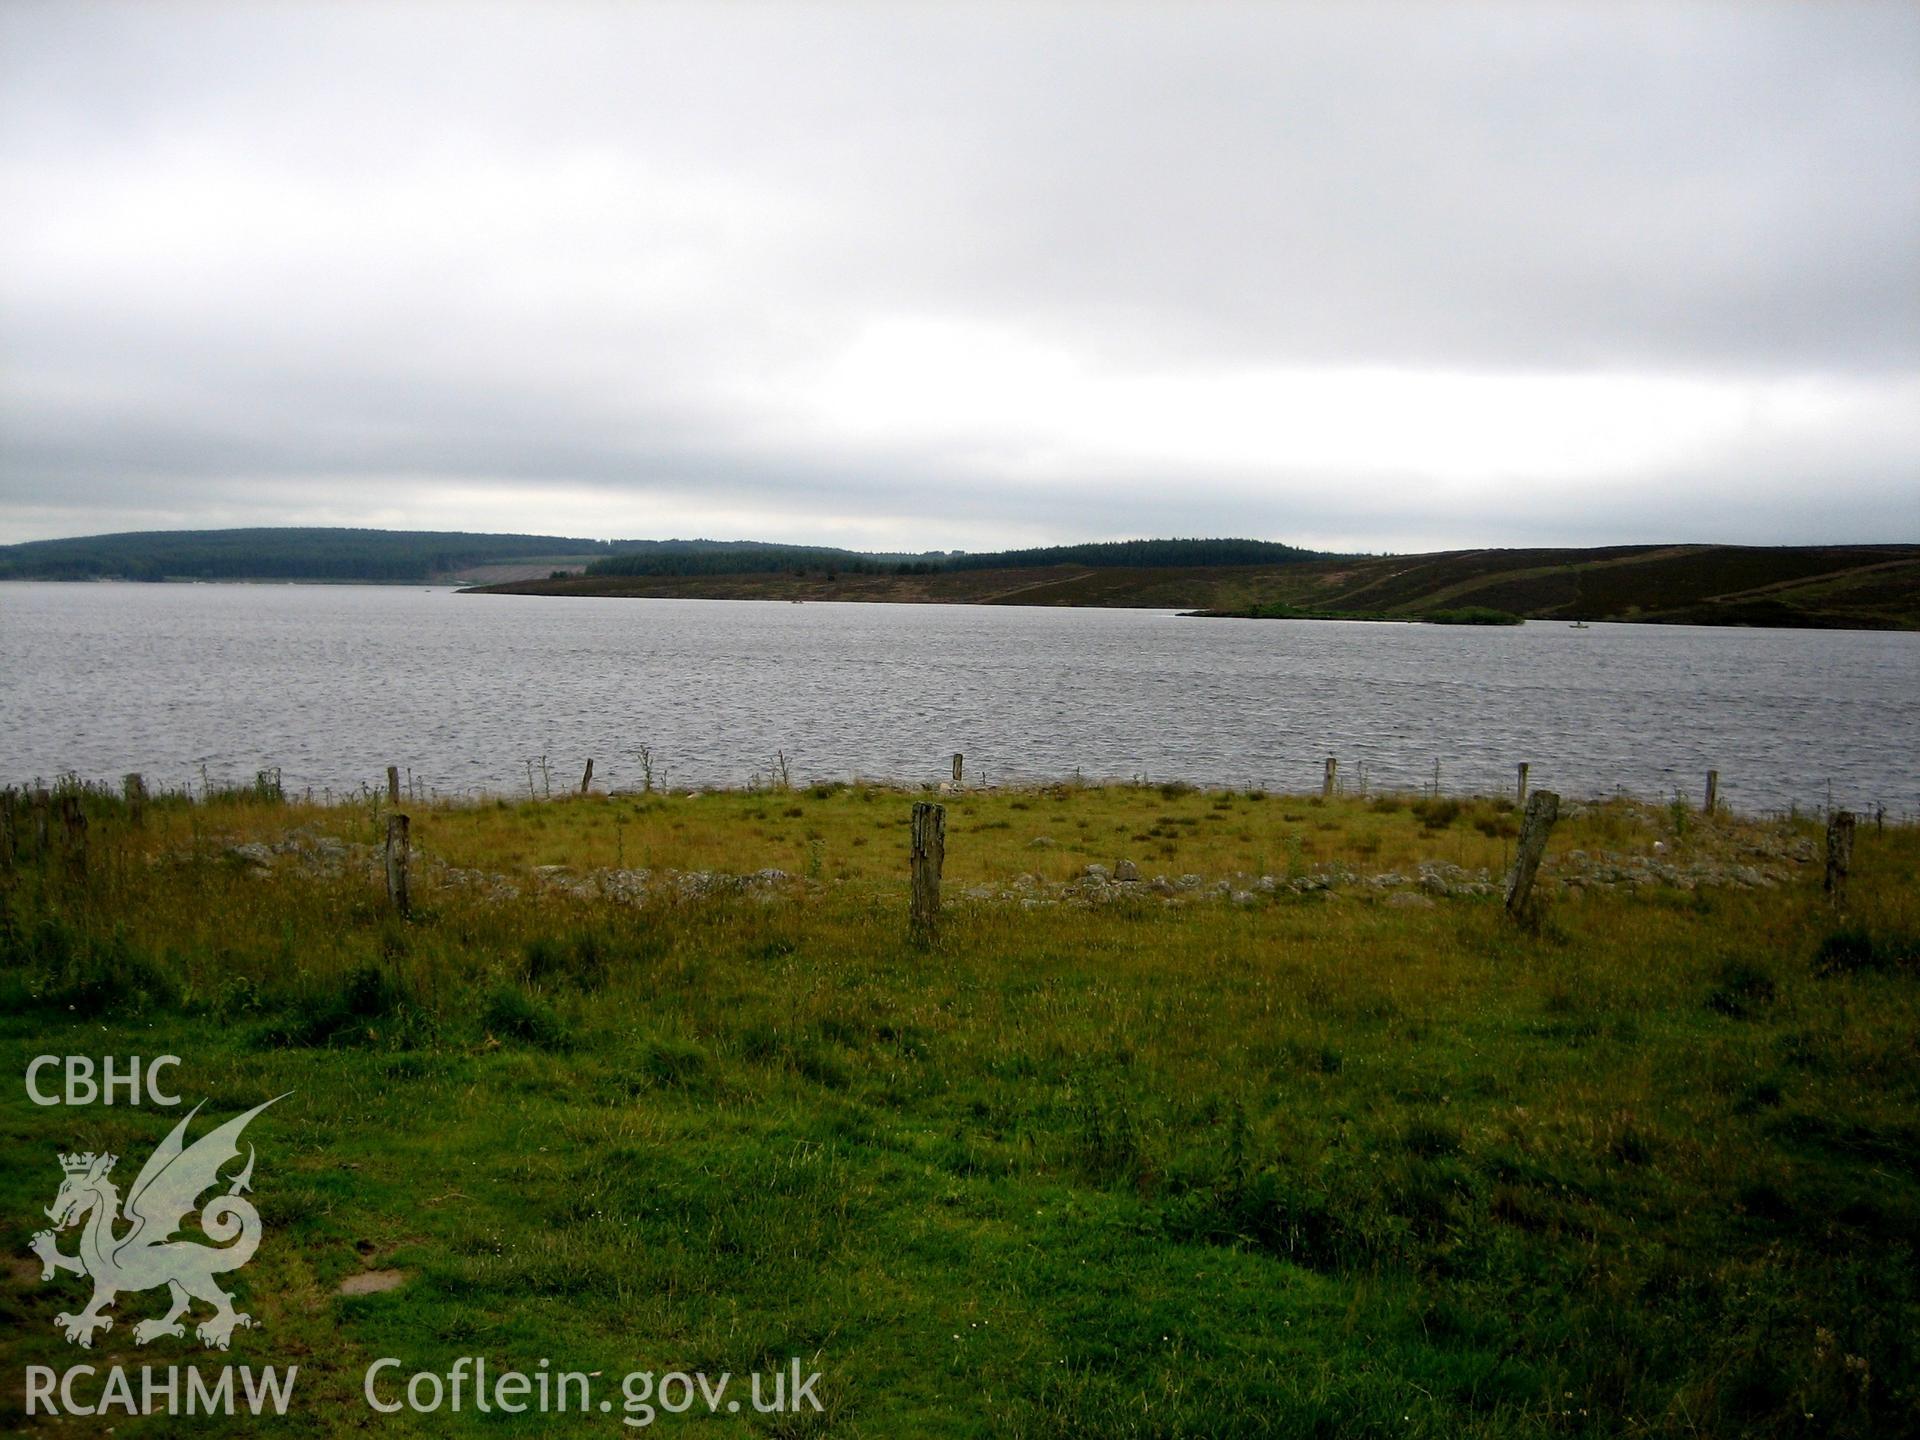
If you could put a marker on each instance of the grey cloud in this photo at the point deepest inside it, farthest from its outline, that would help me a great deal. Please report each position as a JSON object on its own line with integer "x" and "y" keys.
{"x": 612, "y": 245}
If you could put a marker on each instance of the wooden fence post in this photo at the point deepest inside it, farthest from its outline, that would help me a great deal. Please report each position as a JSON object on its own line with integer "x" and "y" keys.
{"x": 393, "y": 784}
{"x": 1327, "y": 783}
{"x": 1713, "y": 791}
{"x": 73, "y": 834}
{"x": 586, "y": 778}
{"x": 1543, "y": 808}
{"x": 1839, "y": 856}
{"x": 134, "y": 788}
{"x": 397, "y": 857}
{"x": 958, "y": 758}
{"x": 928, "y": 856}
{"x": 1520, "y": 797}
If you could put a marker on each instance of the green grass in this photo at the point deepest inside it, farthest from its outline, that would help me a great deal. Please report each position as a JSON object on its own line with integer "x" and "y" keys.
{"x": 1311, "y": 1165}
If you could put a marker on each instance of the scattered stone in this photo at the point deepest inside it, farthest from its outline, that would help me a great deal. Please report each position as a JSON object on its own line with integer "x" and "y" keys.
{"x": 254, "y": 854}
{"x": 1749, "y": 858}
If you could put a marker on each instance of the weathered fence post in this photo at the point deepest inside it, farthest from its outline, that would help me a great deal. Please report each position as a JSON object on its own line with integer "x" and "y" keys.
{"x": 1713, "y": 791}
{"x": 1839, "y": 856}
{"x": 586, "y": 777}
{"x": 1543, "y": 808}
{"x": 134, "y": 788}
{"x": 958, "y": 760}
{"x": 929, "y": 854}
{"x": 73, "y": 834}
{"x": 393, "y": 784}
{"x": 1520, "y": 794}
{"x": 1327, "y": 783}
{"x": 397, "y": 856}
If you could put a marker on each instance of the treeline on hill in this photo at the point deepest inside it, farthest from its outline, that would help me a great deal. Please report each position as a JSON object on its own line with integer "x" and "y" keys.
{"x": 755, "y": 557}
{"x": 1144, "y": 554}
{"x": 751, "y": 557}
{"x": 317, "y": 553}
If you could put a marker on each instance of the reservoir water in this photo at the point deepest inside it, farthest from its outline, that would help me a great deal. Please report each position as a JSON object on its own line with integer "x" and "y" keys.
{"x": 333, "y": 683}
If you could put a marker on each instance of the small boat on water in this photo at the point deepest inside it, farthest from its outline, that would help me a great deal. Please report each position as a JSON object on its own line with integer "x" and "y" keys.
{"x": 1579, "y": 625}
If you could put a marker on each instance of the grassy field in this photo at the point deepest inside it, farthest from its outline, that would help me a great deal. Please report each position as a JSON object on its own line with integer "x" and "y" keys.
{"x": 1267, "y": 1148}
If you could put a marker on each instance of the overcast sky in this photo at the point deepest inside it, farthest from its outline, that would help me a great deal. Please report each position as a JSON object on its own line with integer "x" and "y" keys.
{"x": 921, "y": 275}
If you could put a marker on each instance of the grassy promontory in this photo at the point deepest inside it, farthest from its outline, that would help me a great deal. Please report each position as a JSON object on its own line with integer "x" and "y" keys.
{"x": 1296, "y": 1134}
{"x": 1869, "y": 587}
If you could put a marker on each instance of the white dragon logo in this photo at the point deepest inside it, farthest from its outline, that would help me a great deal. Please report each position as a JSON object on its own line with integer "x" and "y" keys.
{"x": 166, "y": 1191}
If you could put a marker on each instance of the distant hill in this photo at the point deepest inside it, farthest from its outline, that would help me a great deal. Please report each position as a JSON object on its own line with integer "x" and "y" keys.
{"x": 1844, "y": 586}
{"x": 752, "y": 557}
{"x": 1872, "y": 587}
{"x": 411, "y": 555}
{"x": 285, "y": 554}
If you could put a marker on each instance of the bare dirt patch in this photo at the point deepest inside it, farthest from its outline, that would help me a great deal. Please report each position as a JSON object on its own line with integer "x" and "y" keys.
{"x": 372, "y": 1282}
